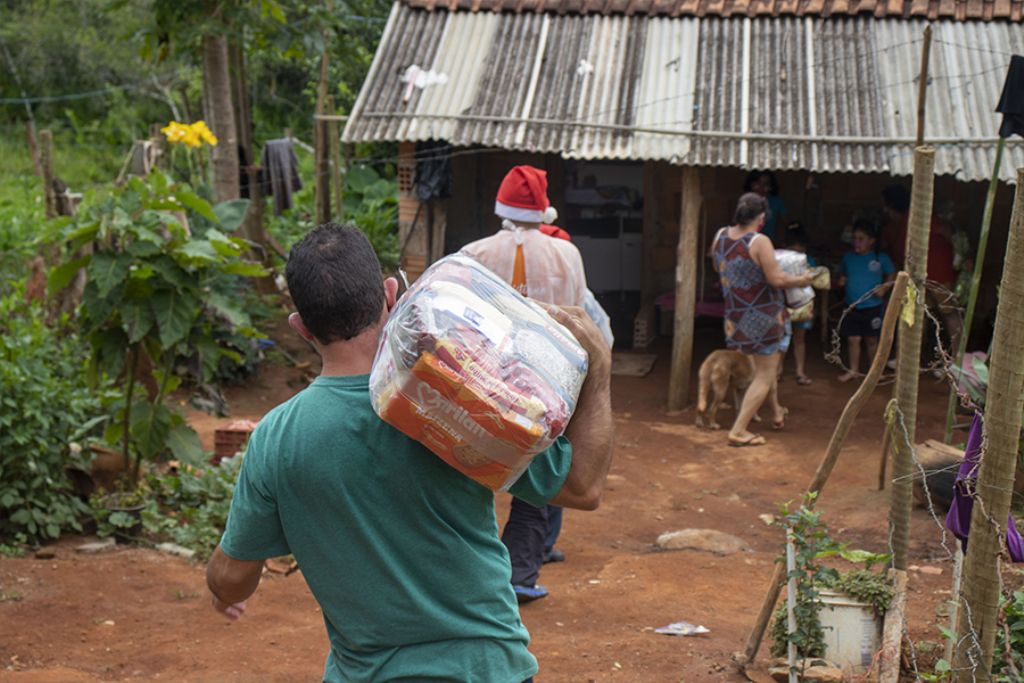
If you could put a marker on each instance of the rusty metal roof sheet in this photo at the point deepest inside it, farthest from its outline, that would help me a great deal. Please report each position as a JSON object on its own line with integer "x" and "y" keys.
{"x": 791, "y": 92}
{"x": 956, "y": 10}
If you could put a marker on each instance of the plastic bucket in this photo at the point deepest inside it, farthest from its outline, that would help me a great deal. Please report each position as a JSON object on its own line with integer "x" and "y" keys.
{"x": 853, "y": 633}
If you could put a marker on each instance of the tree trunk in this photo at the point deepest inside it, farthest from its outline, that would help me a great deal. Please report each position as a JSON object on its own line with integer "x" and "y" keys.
{"x": 909, "y": 356}
{"x": 217, "y": 81}
{"x": 1004, "y": 401}
{"x": 321, "y": 145}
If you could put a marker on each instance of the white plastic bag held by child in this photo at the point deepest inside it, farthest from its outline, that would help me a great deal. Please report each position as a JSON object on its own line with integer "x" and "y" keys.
{"x": 477, "y": 373}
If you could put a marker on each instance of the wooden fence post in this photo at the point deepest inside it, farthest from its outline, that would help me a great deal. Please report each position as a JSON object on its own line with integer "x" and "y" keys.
{"x": 686, "y": 290}
{"x": 1004, "y": 401}
{"x": 33, "y": 146}
{"x": 46, "y": 158}
{"x": 908, "y": 372}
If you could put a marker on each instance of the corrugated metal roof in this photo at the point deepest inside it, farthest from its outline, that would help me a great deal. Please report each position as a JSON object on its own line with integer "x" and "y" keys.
{"x": 958, "y": 10}
{"x": 833, "y": 95}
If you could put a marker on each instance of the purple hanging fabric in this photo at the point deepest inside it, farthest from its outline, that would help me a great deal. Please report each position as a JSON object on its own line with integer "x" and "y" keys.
{"x": 959, "y": 518}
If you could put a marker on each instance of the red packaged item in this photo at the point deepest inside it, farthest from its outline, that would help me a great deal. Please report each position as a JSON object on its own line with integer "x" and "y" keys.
{"x": 478, "y": 374}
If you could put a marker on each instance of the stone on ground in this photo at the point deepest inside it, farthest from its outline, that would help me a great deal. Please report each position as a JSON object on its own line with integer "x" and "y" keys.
{"x": 707, "y": 540}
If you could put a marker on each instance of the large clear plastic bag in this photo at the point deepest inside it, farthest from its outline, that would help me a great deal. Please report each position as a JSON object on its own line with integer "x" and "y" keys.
{"x": 477, "y": 373}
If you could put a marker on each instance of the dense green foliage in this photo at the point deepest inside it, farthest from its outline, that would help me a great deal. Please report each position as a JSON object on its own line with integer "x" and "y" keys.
{"x": 78, "y": 60}
{"x": 46, "y": 407}
{"x": 167, "y": 285}
{"x": 129, "y": 63}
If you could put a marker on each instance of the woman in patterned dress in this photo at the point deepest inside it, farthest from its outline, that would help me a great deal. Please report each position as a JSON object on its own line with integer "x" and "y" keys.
{"x": 756, "y": 323}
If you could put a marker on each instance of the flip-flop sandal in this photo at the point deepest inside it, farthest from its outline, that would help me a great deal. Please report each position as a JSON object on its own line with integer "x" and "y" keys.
{"x": 803, "y": 381}
{"x": 779, "y": 425}
{"x": 755, "y": 440}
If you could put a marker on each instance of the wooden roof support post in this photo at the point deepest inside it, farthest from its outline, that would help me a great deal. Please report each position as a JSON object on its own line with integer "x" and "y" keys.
{"x": 686, "y": 290}
{"x": 908, "y": 371}
{"x": 994, "y": 489}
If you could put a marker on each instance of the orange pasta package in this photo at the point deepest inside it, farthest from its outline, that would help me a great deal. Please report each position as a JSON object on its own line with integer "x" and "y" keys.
{"x": 478, "y": 374}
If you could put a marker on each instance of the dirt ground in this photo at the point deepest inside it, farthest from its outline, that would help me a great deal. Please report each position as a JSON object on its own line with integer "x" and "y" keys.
{"x": 134, "y": 614}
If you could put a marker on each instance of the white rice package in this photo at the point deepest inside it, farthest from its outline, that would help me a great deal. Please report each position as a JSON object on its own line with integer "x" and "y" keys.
{"x": 477, "y": 373}
{"x": 795, "y": 263}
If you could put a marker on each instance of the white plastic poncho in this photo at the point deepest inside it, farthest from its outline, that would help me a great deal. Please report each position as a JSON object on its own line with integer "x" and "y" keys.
{"x": 554, "y": 267}
{"x": 477, "y": 373}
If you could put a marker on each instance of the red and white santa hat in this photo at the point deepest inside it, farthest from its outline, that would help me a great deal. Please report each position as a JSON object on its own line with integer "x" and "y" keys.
{"x": 523, "y": 196}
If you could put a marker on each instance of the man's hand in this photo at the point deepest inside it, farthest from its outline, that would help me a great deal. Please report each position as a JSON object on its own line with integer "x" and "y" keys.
{"x": 587, "y": 333}
{"x": 231, "y": 582}
{"x": 232, "y": 612}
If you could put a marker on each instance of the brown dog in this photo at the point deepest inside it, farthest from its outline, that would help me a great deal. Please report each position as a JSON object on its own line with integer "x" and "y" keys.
{"x": 723, "y": 371}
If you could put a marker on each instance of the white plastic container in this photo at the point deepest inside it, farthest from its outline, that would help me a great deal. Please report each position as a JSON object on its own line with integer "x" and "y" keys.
{"x": 853, "y": 633}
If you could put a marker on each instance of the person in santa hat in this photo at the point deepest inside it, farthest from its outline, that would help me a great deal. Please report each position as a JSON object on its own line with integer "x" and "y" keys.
{"x": 551, "y": 271}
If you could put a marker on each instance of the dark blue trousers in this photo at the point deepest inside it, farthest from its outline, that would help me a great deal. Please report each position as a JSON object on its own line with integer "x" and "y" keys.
{"x": 529, "y": 533}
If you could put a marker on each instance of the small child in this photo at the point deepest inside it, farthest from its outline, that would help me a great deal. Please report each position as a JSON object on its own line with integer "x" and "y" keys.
{"x": 796, "y": 239}
{"x": 862, "y": 272}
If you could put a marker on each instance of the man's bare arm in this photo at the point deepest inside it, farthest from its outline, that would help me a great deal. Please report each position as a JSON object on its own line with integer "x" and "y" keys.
{"x": 231, "y": 582}
{"x": 591, "y": 430}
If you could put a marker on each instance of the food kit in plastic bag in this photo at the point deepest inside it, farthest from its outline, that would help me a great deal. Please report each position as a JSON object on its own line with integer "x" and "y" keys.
{"x": 795, "y": 263}
{"x": 477, "y": 373}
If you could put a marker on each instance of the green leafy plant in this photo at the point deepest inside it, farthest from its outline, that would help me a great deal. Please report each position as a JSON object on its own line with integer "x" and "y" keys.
{"x": 371, "y": 202}
{"x": 813, "y": 544}
{"x": 868, "y": 587}
{"x": 1008, "y": 660}
{"x": 191, "y": 504}
{"x": 46, "y": 407}
{"x": 159, "y": 282}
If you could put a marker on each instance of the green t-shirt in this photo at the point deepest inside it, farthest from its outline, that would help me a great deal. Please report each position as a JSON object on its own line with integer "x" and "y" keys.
{"x": 400, "y": 550}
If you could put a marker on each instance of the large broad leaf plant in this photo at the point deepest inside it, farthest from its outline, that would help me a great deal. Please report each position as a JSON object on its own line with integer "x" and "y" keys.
{"x": 162, "y": 279}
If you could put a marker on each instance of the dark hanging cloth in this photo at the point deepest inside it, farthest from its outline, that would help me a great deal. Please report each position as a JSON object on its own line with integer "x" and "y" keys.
{"x": 959, "y": 518}
{"x": 279, "y": 173}
{"x": 243, "y": 173}
{"x": 433, "y": 178}
{"x": 1011, "y": 103}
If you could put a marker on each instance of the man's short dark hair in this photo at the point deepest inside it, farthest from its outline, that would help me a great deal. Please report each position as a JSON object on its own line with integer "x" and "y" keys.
{"x": 750, "y": 206}
{"x": 335, "y": 280}
{"x": 897, "y": 198}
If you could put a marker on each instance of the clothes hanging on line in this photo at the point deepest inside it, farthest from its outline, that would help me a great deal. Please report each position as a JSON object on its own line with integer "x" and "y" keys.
{"x": 279, "y": 173}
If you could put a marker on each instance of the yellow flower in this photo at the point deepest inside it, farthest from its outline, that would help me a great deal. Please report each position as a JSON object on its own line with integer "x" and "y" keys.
{"x": 191, "y": 135}
{"x": 175, "y": 131}
{"x": 205, "y": 133}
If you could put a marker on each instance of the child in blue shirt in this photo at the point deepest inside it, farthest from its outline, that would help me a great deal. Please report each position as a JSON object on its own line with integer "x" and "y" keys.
{"x": 862, "y": 273}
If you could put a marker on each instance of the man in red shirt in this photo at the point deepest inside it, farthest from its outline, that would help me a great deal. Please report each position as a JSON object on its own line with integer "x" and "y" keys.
{"x": 940, "y": 255}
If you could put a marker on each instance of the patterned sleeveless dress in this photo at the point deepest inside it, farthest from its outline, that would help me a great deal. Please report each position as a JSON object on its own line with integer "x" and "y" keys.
{"x": 755, "y": 312}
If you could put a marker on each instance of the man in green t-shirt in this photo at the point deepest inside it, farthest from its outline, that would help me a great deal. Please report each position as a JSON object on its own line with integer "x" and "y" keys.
{"x": 400, "y": 550}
